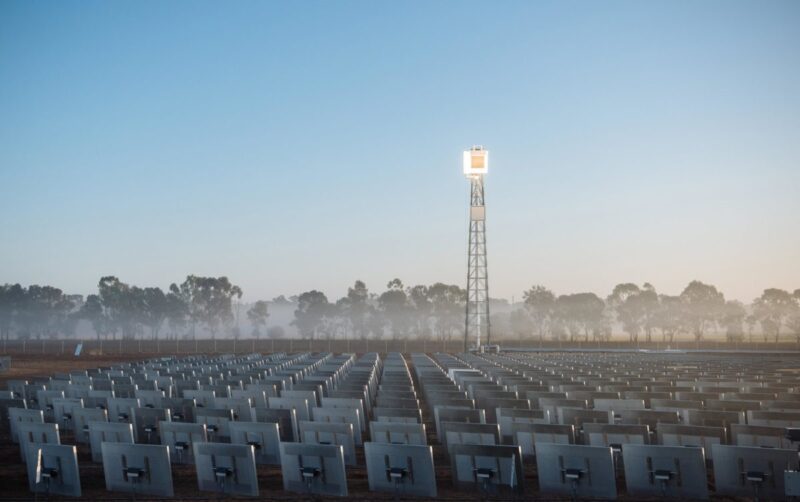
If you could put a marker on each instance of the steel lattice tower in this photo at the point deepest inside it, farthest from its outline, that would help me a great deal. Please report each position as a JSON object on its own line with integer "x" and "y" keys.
{"x": 477, "y": 325}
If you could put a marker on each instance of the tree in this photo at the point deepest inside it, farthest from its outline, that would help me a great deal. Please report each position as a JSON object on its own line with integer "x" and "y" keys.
{"x": 773, "y": 308}
{"x": 793, "y": 323}
{"x": 422, "y": 306}
{"x": 649, "y": 305}
{"x": 257, "y": 315}
{"x": 752, "y": 321}
{"x": 155, "y": 308}
{"x": 581, "y": 313}
{"x": 118, "y": 306}
{"x": 539, "y": 304}
{"x": 448, "y": 309}
{"x": 732, "y": 319}
{"x": 637, "y": 311}
{"x": 209, "y": 301}
{"x": 44, "y": 311}
{"x": 335, "y": 323}
{"x": 93, "y": 311}
{"x": 375, "y": 323}
{"x": 394, "y": 304}
{"x": 629, "y": 310}
{"x": 312, "y": 308}
{"x": 281, "y": 300}
{"x": 187, "y": 295}
{"x": 703, "y": 304}
{"x": 669, "y": 317}
{"x": 177, "y": 312}
{"x": 355, "y": 308}
{"x": 12, "y": 299}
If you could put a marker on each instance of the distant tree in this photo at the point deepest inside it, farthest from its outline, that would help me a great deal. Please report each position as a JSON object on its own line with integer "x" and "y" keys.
{"x": 6, "y": 311}
{"x": 187, "y": 295}
{"x": 422, "y": 307}
{"x": 630, "y": 312}
{"x": 419, "y": 311}
{"x": 62, "y": 311}
{"x": 209, "y": 301}
{"x": 343, "y": 324}
{"x": 702, "y": 307}
{"x": 650, "y": 305}
{"x": 69, "y": 322}
{"x": 233, "y": 323}
{"x": 394, "y": 304}
{"x": 44, "y": 311}
{"x": 282, "y": 300}
{"x": 333, "y": 322}
{"x": 581, "y": 313}
{"x": 636, "y": 309}
{"x": 539, "y": 304}
{"x": 177, "y": 312}
{"x": 12, "y": 299}
{"x": 773, "y": 308}
{"x": 752, "y": 321}
{"x": 258, "y": 315}
{"x": 312, "y": 308}
{"x": 118, "y": 306}
{"x": 793, "y": 322}
{"x": 375, "y": 323}
{"x": 604, "y": 330}
{"x": 732, "y": 319}
{"x": 356, "y": 309}
{"x": 339, "y": 325}
{"x": 669, "y": 317}
{"x": 155, "y": 307}
{"x": 448, "y": 307}
{"x": 93, "y": 311}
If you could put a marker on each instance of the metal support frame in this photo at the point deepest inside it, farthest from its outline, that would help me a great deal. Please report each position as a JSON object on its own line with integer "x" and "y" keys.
{"x": 477, "y": 315}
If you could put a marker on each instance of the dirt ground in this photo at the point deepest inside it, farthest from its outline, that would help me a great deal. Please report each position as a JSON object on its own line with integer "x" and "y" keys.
{"x": 29, "y": 366}
{"x": 14, "y": 482}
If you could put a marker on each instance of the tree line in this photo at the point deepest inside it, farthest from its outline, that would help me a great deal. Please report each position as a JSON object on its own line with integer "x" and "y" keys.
{"x": 210, "y": 306}
{"x": 423, "y": 312}
{"x": 119, "y": 309}
{"x": 643, "y": 313}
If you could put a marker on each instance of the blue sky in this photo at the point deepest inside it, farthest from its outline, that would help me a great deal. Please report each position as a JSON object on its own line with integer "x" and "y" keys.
{"x": 299, "y": 145}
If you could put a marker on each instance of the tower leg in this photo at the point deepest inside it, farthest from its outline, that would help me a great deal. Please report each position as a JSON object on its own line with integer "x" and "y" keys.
{"x": 477, "y": 309}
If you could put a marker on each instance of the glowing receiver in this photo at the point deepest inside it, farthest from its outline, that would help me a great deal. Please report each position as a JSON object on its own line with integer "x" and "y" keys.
{"x": 476, "y": 161}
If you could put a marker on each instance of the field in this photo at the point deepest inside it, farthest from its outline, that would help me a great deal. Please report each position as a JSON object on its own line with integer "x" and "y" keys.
{"x": 14, "y": 481}
{"x": 13, "y": 477}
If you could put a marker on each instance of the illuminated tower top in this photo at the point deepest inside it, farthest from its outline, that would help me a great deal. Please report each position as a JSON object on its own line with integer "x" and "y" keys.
{"x": 476, "y": 161}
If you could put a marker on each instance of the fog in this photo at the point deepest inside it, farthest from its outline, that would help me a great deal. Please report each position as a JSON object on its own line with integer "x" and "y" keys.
{"x": 212, "y": 307}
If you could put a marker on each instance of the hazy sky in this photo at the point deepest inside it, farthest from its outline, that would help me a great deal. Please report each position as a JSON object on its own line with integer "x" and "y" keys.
{"x": 299, "y": 145}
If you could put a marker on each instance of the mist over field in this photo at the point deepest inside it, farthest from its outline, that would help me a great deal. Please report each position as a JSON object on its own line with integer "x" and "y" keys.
{"x": 208, "y": 307}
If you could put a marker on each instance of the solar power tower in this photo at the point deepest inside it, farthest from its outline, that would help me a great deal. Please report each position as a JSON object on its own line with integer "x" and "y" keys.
{"x": 476, "y": 164}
